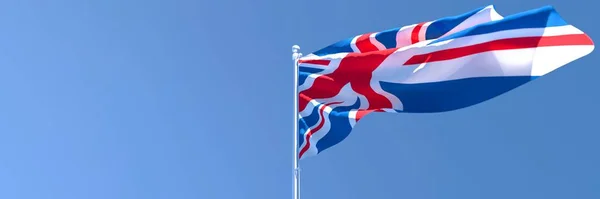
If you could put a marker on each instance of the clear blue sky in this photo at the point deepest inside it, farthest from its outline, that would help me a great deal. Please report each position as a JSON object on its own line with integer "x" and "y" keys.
{"x": 180, "y": 99}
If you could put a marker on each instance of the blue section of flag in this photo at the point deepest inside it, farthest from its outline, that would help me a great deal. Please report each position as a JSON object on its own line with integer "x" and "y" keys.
{"x": 304, "y": 72}
{"x": 302, "y": 129}
{"x": 388, "y": 37}
{"x": 537, "y": 18}
{"x": 340, "y": 126}
{"x": 302, "y": 76}
{"x": 339, "y": 47}
{"x": 307, "y": 122}
{"x": 442, "y": 26}
{"x": 309, "y": 70}
{"x": 451, "y": 95}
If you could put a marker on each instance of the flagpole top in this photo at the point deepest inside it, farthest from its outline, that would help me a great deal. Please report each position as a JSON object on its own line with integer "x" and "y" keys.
{"x": 296, "y": 54}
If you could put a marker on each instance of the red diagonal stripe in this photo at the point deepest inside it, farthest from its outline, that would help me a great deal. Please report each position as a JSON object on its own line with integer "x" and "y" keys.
{"x": 312, "y": 131}
{"x": 363, "y": 43}
{"x": 501, "y": 44}
{"x": 315, "y": 61}
{"x": 414, "y": 36}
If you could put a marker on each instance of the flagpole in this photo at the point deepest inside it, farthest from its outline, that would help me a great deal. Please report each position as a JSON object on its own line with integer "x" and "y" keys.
{"x": 296, "y": 55}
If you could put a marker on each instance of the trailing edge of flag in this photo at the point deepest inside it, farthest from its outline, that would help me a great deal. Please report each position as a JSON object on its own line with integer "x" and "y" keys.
{"x": 435, "y": 66}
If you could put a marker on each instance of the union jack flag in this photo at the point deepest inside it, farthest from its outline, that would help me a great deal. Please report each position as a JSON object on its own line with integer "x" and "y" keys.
{"x": 434, "y": 66}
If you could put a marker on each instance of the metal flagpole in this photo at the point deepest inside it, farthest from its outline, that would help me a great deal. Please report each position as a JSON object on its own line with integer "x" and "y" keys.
{"x": 296, "y": 55}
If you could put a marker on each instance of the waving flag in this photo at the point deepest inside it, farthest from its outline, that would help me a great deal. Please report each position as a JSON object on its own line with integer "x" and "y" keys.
{"x": 434, "y": 66}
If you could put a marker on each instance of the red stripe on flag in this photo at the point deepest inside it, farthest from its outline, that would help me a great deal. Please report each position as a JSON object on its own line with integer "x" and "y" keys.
{"x": 363, "y": 43}
{"x": 502, "y": 44}
{"x": 315, "y": 61}
{"x": 414, "y": 37}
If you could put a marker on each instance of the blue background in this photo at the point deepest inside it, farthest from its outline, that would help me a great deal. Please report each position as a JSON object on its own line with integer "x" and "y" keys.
{"x": 193, "y": 99}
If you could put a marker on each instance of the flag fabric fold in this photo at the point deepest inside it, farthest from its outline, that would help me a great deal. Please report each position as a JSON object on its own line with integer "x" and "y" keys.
{"x": 435, "y": 66}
